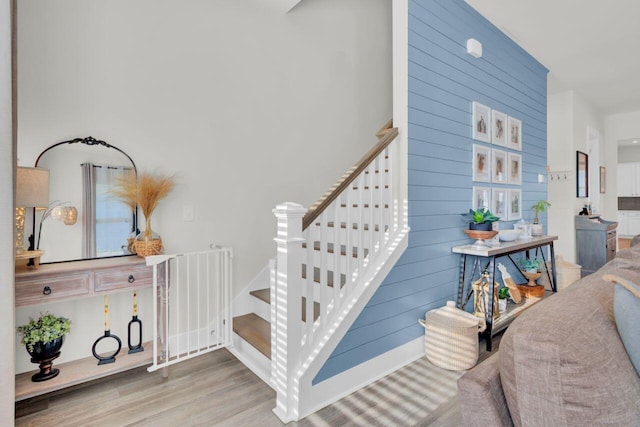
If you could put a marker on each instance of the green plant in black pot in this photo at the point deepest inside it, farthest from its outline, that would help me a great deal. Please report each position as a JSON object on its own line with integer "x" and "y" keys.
{"x": 480, "y": 219}
{"x": 43, "y": 339}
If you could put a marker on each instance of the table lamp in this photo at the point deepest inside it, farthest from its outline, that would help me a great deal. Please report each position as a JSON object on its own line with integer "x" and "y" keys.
{"x": 32, "y": 191}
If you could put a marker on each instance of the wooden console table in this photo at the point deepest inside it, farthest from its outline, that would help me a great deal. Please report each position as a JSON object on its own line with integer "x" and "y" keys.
{"x": 77, "y": 280}
{"x": 489, "y": 254}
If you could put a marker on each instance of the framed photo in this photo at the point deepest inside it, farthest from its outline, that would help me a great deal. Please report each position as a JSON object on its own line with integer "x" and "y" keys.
{"x": 500, "y": 201}
{"x": 498, "y": 128}
{"x": 481, "y": 198}
{"x": 481, "y": 163}
{"x": 515, "y": 169}
{"x": 582, "y": 167}
{"x": 515, "y": 134}
{"x": 499, "y": 166}
{"x": 514, "y": 205}
{"x": 603, "y": 179}
{"x": 481, "y": 122}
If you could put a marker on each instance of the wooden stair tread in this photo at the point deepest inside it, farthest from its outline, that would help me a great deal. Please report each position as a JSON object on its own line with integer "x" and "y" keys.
{"x": 254, "y": 330}
{"x": 265, "y": 295}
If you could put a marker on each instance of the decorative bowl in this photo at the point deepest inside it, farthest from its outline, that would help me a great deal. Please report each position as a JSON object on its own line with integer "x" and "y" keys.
{"x": 509, "y": 235}
{"x": 478, "y": 234}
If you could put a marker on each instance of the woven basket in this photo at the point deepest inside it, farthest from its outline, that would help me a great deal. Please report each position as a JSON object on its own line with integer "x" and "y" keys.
{"x": 148, "y": 247}
{"x": 451, "y": 338}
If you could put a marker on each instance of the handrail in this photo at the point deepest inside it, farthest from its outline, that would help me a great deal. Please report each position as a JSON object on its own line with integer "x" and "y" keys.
{"x": 385, "y": 128}
{"x": 327, "y": 198}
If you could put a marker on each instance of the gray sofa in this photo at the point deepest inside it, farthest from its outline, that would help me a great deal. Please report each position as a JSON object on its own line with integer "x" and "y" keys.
{"x": 560, "y": 363}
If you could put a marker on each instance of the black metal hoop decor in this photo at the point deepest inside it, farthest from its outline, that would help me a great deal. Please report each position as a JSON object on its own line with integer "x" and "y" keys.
{"x": 138, "y": 347}
{"x": 103, "y": 360}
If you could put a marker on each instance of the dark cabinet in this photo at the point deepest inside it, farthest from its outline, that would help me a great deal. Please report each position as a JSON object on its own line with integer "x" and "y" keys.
{"x": 595, "y": 242}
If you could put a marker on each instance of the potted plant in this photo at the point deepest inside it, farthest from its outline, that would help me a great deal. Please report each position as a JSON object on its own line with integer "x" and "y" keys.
{"x": 43, "y": 339}
{"x": 530, "y": 265}
{"x": 480, "y": 219}
{"x": 503, "y": 294}
{"x": 539, "y": 207}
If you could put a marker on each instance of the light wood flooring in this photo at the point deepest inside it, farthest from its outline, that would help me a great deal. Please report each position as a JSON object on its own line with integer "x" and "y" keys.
{"x": 217, "y": 390}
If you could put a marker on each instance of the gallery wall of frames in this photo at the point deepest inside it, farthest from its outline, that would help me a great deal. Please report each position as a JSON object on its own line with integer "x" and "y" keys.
{"x": 497, "y": 166}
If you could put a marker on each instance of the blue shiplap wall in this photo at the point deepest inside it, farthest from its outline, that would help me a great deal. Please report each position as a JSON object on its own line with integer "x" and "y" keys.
{"x": 443, "y": 82}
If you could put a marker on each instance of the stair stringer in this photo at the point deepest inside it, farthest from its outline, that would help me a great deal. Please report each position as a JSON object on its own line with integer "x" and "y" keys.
{"x": 310, "y": 397}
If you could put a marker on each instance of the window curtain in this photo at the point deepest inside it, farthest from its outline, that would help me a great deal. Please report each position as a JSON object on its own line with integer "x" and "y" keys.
{"x": 88, "y": 210}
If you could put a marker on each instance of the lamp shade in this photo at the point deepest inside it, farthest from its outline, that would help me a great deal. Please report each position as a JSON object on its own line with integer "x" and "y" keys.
{"x": 32, "y": 187}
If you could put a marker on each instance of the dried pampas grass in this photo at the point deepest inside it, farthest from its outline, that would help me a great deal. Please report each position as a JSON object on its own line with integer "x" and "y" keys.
{"x": 146, "y": 190}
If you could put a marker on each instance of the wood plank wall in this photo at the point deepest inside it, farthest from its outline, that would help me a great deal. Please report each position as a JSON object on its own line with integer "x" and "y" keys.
{"x": 443, "y": 82}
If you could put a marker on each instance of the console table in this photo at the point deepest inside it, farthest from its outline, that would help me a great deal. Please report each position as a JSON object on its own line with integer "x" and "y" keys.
{"x": 488, "y": 255}
{"x": 72, "y": 281}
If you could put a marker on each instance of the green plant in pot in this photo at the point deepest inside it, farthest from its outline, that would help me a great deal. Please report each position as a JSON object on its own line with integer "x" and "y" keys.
{"x": 531, "y": 269}
{"x": 480, "y": 219}
{"x": 43, "y": 339}
{"x": 538, "y": 208}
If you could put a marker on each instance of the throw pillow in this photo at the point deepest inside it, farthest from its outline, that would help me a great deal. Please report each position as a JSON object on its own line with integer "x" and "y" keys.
{"x": 626, "y": 310}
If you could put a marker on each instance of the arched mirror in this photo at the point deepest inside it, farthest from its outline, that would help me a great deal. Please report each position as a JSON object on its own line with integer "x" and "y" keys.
{"x": 83, "y": 220}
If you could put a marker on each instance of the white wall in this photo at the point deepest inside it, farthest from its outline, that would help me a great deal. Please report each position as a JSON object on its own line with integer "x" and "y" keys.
{"x": 568, "y": 118}
{"x": 628, "y": 154}
{"x": 617, "y": 127}
{"x": 7, "y": 331}
{"x": 247, "y": 106}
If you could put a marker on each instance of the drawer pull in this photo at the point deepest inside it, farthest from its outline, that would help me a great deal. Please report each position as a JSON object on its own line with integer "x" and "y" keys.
{"x": 131, "y": 278}
{"x": 46, "y": 290}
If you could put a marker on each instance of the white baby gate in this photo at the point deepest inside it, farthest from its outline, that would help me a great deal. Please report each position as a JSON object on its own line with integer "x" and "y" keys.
{"x": 192, "y": 310}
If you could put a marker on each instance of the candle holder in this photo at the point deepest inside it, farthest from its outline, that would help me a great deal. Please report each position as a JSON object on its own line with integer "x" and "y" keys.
{"x": 103, "y": 360}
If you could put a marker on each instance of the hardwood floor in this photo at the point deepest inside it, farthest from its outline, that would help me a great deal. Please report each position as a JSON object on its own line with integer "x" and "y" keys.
{"x": 217, "y": 390}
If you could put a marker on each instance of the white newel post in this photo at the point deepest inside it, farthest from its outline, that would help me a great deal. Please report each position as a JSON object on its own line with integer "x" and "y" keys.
{"x": 288, "y": 308}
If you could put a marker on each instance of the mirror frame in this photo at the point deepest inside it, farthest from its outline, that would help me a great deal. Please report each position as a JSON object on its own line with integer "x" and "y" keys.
{"x": 90, "y": 141}
{"x": 582, "y": 175}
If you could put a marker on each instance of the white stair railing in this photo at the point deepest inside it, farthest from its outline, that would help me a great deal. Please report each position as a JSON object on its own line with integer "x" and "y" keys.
{"x": 192, "y": 313}
{"x": 327, "y": 257}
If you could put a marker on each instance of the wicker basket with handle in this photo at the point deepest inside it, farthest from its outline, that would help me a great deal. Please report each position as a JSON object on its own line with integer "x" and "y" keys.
{"x": 451, "y": 337}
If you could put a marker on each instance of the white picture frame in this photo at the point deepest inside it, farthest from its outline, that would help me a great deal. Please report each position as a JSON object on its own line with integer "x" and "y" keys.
{"x": 500, "y": 202}
{"x": 481, "y": 163}
{"x": 499, "y": 128}
{"x": 515, "y": 169}
{"x": 499, "y": 166}
{"x": 481, "y": 122}
{"x": 514, "y": 134}
{"x": 481, "y": 198}
{"x": 514, "y": 205}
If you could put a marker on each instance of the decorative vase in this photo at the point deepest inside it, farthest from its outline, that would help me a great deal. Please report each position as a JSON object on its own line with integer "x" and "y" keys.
{"x": 532, "y": 276}
{"x": 44, "y": 354}
{"x": 148, "y": 243}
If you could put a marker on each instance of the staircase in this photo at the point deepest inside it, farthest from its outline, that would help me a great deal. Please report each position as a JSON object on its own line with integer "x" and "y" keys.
{"x": 331, "y": 259}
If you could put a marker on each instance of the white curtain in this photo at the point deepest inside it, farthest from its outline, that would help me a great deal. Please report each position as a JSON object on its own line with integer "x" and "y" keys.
{"x": 107, "y": 221}
{"x": 89, "y": 211}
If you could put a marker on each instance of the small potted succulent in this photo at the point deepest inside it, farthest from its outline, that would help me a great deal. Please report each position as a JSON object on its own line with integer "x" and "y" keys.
{"x": 531, "y": 269}
{"x": 43, "y": 339}
{"x": 503, "y": 294}
{"x": 480, "y": 219}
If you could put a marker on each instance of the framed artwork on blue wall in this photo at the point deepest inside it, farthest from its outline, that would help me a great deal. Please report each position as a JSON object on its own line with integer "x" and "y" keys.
{"x": 498, "y": 128}
{"x": 481, "y": 163}
{"x": 515, "y": 169}
{"x": 515, "y": 134}
{"x": 481, "y": 122}
{"x": 500, "y": 201}
{"x": 498, "y": 166}
{"x": 481, "y": 198}
{"x": 514, "y": 207}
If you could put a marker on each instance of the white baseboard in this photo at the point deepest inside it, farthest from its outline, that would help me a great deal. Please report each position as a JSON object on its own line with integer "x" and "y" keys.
{"x": 341, "y": 385}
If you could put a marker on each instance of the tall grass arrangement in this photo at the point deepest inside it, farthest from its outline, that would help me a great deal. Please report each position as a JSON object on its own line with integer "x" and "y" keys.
{"x": 146, "y": 190}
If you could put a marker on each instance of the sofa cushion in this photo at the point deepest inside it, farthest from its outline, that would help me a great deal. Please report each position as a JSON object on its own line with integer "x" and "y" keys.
{"x": 626, "y": 309}
{"x": 562, "y": 361}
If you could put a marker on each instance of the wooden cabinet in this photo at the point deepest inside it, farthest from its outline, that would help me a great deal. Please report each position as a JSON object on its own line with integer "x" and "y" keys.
{"x": 80, "y": 279}
{"x": 628, "y": 179}
{"x": 596, "y": 242}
